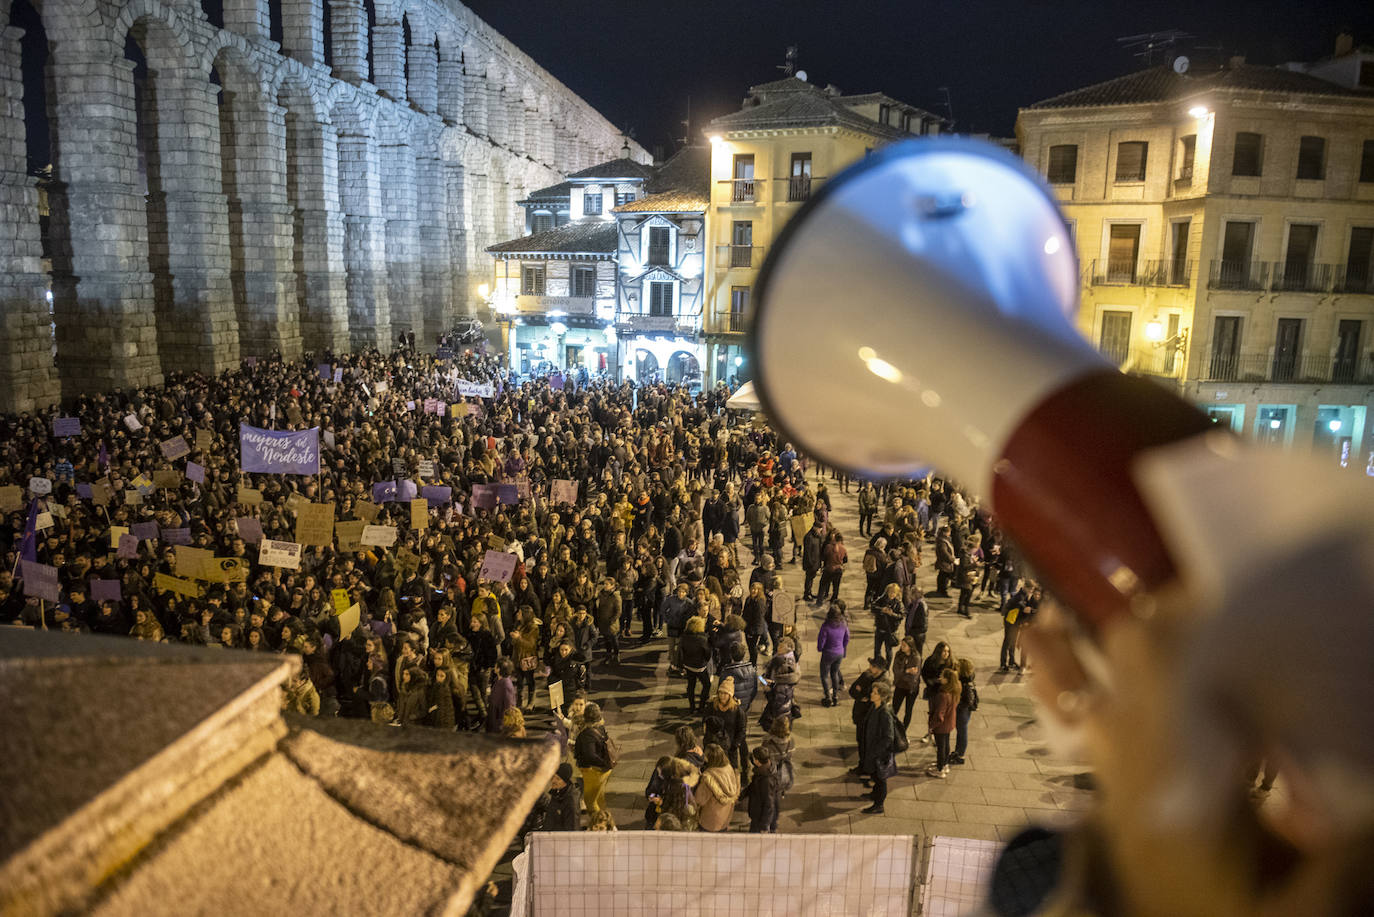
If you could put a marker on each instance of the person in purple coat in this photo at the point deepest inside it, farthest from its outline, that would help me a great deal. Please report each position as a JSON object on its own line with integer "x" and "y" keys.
{"x": 502, "y": 697}
{"x": 832, "y": 642}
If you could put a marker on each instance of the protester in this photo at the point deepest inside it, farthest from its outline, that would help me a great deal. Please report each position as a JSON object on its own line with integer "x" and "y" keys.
{"x": 717, "y": 791}
{"x": 879, "y": 732}
{"x": 968, "y": 702}
{"x": 832, "y": 642}
{"x": 941, "y": 721}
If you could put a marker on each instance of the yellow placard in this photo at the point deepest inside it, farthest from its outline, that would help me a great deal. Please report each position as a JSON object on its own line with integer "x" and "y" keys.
{"x": 176, "y": 584}
{"x": 315, "y": 524}
{"x": 341, "y": 601}
{"x": 115, "y": 532}
{"x": 249, "y": 496}
{"x": 419, "y": 513}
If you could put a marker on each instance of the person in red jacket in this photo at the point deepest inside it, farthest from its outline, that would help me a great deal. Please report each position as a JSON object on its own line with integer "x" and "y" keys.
{"x": 943, "y": 704}
{"x": 833, "y": 559}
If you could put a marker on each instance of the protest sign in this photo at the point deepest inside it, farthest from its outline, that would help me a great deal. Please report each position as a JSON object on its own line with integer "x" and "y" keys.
{"x": 205, "y": 440}
{"x": 127, "y": 545}
{"x": 426, "y": 468}
{"x": 117, "y": 532}
{"x": 174, "y": 448}
{"x": 350, "y": 534}
{"x": 348, "y": 621}
{"x": 66, "y": 426}
{"x": 325, "y": 371}
{"x": 143, "y": 484}
{"x": 101, "y": 494}
{"x": 144, "y": 531}
{"x": 381, "y": 385}
{"x": 340, "y": 599}
{"x": 250, "y": 529}
{"x": 83, "y": 491}
{"x": 131, "y": 421}
{"x": 381, "y": 536}
{"x": 329, "y": 438}
{"x": 437, "y": 494}
{"x": 279, "y": 451}
{"x": 40, "y": 580}
{"x": 40, "y": 486}
{"x": 367, "y": 511}
{"x": 419, "y": 513}
{"x": 556, "y": 694}
{"x": 43, "y": 521}
{"x": 280, "y": 554}
{"x": 193, "y": 563}
{"x": 522, "y": 487}
{"x": 801, "y": 525}
{"x": 398, "y": 466}
{"x": 564, "y": 492}
{"x": 176, "y": 584}
{"x": 177, "y": 536}
{"x": 133, "y": 498}
{"x": 195, "y": 472}
{"x": 106, "y": 590}
{"x": 315, "y": 524}
{"x": 484, "y": 496}
{"x": 459, "y": 409}
{"x": 11, "y": 498}
{"x": 507, "y": 494}
{"x": 469, "y": 389}
{"x": 497, "y": 567}
{"x": 226, "y": 570}
{"x": 249, "y": 496}
{"x": 407, "y": 561}
{"x": 167, "y": 479}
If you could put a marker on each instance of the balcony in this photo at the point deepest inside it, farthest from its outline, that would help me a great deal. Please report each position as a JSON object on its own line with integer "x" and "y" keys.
{"x": 1289, "y": 370}
{"x": 798, "y": 188}
{"x": 729, "y": 323}
{"x": 1239, "y": 275}
{"x": 743, "y": 190}
{"x": 1354, "y": 278}
{"x": 1146, "y": 273}
{"x": 728, "y": 256}
{"x": 1301, "y": 277}
{"x": 530, "y": 303}
{"x": 639, "y": 322}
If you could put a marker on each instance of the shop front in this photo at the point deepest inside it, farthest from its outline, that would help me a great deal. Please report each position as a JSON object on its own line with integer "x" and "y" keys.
{"x": 560, "y": 345}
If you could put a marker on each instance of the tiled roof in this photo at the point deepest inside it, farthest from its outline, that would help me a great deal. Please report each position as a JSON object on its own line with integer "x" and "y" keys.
{"x": 1162, "y": 84}
{"x": 560, "y": 191}
{"x": 615, "y": 168}
{"x": 797, "y": 104}
{"x": 583, "y": 236}
{"x": 667, "y": 202}
{"x": 689, "y": 169}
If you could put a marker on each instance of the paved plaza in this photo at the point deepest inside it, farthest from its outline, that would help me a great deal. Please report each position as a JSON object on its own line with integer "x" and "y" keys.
{"x": 1012, "y": 777}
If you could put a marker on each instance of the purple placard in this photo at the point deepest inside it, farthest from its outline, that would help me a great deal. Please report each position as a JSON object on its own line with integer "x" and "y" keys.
{"x": 40, "y": 580}
{"x": 177, "y": 536}
{"x": 325, "y": 371}
{"x": 250, "y": 529}
{"x": 106, "y": 590}
{"x": 174, "y": 448}
{"x": 507, "y": 494}
{"x": 85, "y": 492}
{"x": 556, "y": 381}
{"x": 484, "y": 496}
{"x": 279, "y": 451}
{"x": 497, "y": 567}
{"x": 250, "y": 361}
{"x": 128, "y": 547}
{"x": 195, "y": 472}
{"x": 144, "y": 531}
{"x": 338, "y": 374}
{"x": 384, "y": 492}
{"x": 437, "y": 494}
{"x": 66, "y": 426}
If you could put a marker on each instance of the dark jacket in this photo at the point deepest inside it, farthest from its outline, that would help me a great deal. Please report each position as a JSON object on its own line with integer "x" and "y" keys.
{"x": 879, "y": 733}
{"x": 590, "y": 748}
{"x": 696, "y": 652}
{"x": 764, "y": 795}
{"x": 746, "y": 678}
{"x": 440, "y": 699}
{"x": 861, "y": 689}
{"x": 723, "y": 727}
{"x": 942, "y": 707}
{"x": 562, "y": 812}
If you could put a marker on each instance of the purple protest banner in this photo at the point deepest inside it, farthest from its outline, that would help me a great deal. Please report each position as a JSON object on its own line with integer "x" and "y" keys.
{"x": 195, "y": 472}
{"x": 556, "y": 381}
{"x": 325, "y": 370}
{"x": 66, "y": 426}
{"x": 384, "y": 492}
{"x": 507, "y": 494}
{"x": 279, "y": 451}
{"x": 174, "y": 448}
{"x": 85, "y": 491}
{"x": 437, "y": 494}
{"x": 144, "y": 531}
{"x": 128, "y": 547}
{"x": 106, "y": 590}
{"x": 522, "y": 487}
{"x": 250, "y": 529}
{"x": 484, "y": 496}
{"x": 497, "y": 567}
{"x": 40, "y": 580}
{"x": 177, "y": 536}
{"x": 406, "y": 491}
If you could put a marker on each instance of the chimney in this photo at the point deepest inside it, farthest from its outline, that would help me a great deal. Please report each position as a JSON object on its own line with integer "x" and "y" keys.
{"x": 1236, "y": 62}
{"x": 1345, "y": 43}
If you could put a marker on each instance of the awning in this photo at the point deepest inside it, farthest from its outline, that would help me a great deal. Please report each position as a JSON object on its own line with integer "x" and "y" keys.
{"x": 744, "y": 399}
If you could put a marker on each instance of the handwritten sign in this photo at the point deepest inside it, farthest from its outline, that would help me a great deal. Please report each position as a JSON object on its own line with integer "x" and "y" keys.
{"x": 66, "y": 426}
{"x": 340, "y": 599}
{"x": 437, "y": 494}
{"x": 280, "y": 554}
{"x": 484, "y": 496}
{"x": 469, "y": 389}
{"x": 350, "y": 535}
{"x": 167, "y": 479}
{"x": 40, "y": 486}
{"x": 176, "y": 584}
{"x": 497, "y": 567}
{"x": 193, "y": 563}
{"x": 131, "y": 421}
{"x": 249, "y": 496}
{"x": 116, "y": 532}
{"x": 144, "y": 531}
{"x": 195, "y": 472}
{"x": 205, "y": 440}
{"x": 426, "y": 468}
{"x": 174, "y": 448}
{"x": 250, "y": 529}
{"x": 177, "y": 536}
{"x": 315, "y": 524}
{"x": 459, "y": 409}
{"x": 367, "y": 511}
{"x": 507, "y": 494}
{"x": 381, "y": 536}
{"x": 40, "y": 580}
{"x": 127, "y": 546}
{"x": 563, "y": 492}
{"x": 419, "y": 513}
{"x": 556, "y": 695}
{"x": 11, "y": 498}
{"x": 348, "y": 621}
{"x": 226, "y": 570}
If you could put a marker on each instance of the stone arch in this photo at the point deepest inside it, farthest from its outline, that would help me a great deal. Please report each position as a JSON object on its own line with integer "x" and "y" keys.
{"x": 475, "y": 88}
{"x": 422, "y": 63}
{"x": 432, "y": 217}
{"x": 498, "y": 111}
{"x": 317, "y": 227}
{"x": 450, "y": 87}
{"x": 364, "y": 239}
{"x": 396, "y": 159}
{"x": 169, "y": 43}
{"x": 253, "y": 168}
{"x": 303, "y": 30}
{"x": 177, "y": 127}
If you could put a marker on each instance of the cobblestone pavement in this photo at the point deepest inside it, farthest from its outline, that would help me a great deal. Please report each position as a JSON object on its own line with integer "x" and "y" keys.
{"x": 1011, "y": 779}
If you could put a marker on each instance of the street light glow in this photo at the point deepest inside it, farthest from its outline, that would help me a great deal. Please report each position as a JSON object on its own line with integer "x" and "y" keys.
{"x": 1199, "y": 111}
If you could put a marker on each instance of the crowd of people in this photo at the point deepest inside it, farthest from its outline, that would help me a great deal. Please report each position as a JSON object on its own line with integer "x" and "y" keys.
{"x": 647, "y": 549}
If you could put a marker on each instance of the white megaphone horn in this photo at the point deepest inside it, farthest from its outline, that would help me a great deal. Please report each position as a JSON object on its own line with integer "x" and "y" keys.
{"x": 917, "y": 311}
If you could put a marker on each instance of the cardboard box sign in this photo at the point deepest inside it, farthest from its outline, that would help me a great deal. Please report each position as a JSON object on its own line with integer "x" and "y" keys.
{"x": 381, "y": 536}
{"x": 249, "y": 496}
{"x": 280, "y": 554}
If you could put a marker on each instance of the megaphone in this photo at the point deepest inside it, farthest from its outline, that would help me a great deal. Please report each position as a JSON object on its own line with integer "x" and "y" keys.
{"x": 917, "y": 311}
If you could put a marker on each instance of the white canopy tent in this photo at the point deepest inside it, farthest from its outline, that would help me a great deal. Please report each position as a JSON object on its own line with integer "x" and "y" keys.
{"x": 745, "y": 399}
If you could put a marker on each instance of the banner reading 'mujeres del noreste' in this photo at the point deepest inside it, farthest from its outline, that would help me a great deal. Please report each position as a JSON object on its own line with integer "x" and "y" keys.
{"x": 279, "y": 451}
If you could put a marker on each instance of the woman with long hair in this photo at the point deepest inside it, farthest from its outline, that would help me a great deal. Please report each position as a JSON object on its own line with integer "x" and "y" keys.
{"x": 717, "y": 792}
{"x": 943, "y": 707}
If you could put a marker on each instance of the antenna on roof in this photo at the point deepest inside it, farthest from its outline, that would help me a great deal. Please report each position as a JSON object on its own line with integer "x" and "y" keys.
{"x": 1149, "y": 45}
{"x": 686, "y": 125}
{"x": 949, "y": 104}
{"x": 789, "y": 66}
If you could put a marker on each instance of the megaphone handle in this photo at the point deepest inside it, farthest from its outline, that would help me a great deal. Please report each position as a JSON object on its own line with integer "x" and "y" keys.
{"x": 1064, "y": 491}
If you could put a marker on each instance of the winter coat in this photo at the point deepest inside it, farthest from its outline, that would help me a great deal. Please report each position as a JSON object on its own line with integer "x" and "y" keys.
{"x": 695, "y": 652}
{"x": 746, "y": 678}
{"x": 903, "y": 680}
{"x": 502, "y": 698}
{"x": 833, "y": 638}
{"x": 942, "y": 707}
{"x": 590, "y": 748}
{"x": 441, "y": 712}
{"x": 716, "y": 795}
{"x": 765, "y": 796}
{"x": 783, "y": 676}
{"x": 562, "y": 813}
{"x": 723, "y": 727}
{"x": 811, "y": 550}
{"x": 879, "y": 734}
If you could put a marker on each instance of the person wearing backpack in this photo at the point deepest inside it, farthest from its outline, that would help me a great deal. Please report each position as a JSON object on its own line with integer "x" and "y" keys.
{"x": 880, "y": 733}
{"x": 596, "y": 755}
{"x": 968, "y": 702}
{"x": 780, "y": 745}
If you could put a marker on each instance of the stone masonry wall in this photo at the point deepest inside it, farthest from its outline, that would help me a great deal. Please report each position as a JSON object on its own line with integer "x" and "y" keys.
{"x": 284, "y": 204}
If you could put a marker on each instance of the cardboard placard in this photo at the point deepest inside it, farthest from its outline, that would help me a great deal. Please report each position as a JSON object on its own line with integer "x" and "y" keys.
{"x": 315, "y": 524}
{"x": 177, "y": 536}
{"x": 556, "y": 694}
{"x": 174, "y": 448}
{"x": 340, "y": 599}
{"x": 131, "y": 421}
{"x": 458, "y": 410}
{"x": 498, "y": 567}
{"x": 176, "y": 584}
{"x": 167, "y": 479}
{"x": 348, "y": 621}
{"x": 42, "y": 522}
{"x": 117, "y": 532}
{"x": 101, "y": 494}
{"x": 381, "y": 536}
{"x": 193, "y": 563}
{"x": 66, "y": 426}
{"x": 40, "y": 580}
{"x": 127, "y": 547}
{"x": 250, "y": 529}
{"x": 280, "y": 554}
{"x": 143, "y": 484}
{"x": 563, "y": 492}
{"x": 11, "y": 498}
{"x": 419, "y": 513}
{"x": 227, "y": 570}
{"x": 367, "y": 510}
{"x": 249, "y": 496}
{"x": 407, "y": 560}
{"x": 507, "y": 494}
{"x": 205, "y": 440}
{"x": 133, "y": 498}
{"x": 350, "y": 535}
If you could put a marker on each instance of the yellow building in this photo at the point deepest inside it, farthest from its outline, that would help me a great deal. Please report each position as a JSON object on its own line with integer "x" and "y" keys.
{"x": 1225, "y": 230}
{"x": 765, "y": 160}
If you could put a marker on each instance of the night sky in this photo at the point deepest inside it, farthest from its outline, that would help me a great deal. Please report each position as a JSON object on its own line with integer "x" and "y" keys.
{"x": 639, "y": 61}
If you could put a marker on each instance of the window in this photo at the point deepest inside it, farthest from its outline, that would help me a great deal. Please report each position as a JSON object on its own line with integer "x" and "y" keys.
{"x": 1359, "y": 261}
{"x": 660, "y": 298}
{"x": 884, "y": 114}
{"x": 1178, "y": 263}
{"x": 1234, "y": 272}
{"x": 906, "y": 122}
{"x": 1297, "y": 272}
{"x": 1225, "y": 348}
{"x": 543, "y": 222}
{"x": 1367, "y": 161}
{"x": 1115, "y": 338}
{"x": 1347, "y": 356}
{"x": 1366, "y": 78}
{"x": 799, "y": 184}
{"x": 743, "y": 189}
{"x": 742, "y": 244}
{"x": 658, "y": 245}
{"x": 1286, "y": 342}
{"x": 1312, "y": 158}
{"x": 1130, "y": 160}
{"x": 1063, "y": 168}
{"x": 1248, "y": 158}
{"x": 532, "y": 280}
{"x": 739, "y": 305}
{"x": 1123, "y": 250}
{"x": 584, "y": 280}
{"x": 591, "y": 203}
{"x": 624, "y": 197}
{"x": 1187, "y": 152}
